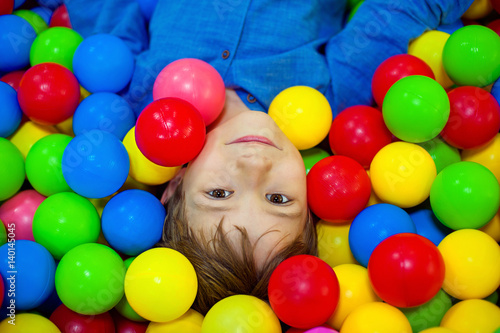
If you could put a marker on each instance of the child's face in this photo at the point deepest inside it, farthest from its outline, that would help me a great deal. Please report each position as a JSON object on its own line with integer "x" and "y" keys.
{"x": 258, "y": 186}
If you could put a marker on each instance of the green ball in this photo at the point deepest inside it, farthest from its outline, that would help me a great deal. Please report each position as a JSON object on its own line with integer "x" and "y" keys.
{"x": 65, "y": 220}
{"x": 493, "y": 298}
{"x": 471, "y": 56}
{"x": 352, "y": 3}
{"x": 12, "y": 172}
{"x": 90, "y": 278}
{"x": 311, "y": 156}
{"x": 123, "y": 307}
{"x": 416, "y": 108}
{"x": 465, "y": 195}
{"x": 43, "y": 164}
{"x": 57, "y": 44}
{"x": 353, "y": 10}
{"x": 429, "y": 314}
{"x": 35, "y": 20}
{"x": 3, "y": 234}
{"x": 441, "y": 152}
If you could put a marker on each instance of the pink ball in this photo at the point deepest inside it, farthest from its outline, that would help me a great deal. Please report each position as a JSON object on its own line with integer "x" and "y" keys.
{"x": 20, "y": 210}
{"x": 194, "y": 81}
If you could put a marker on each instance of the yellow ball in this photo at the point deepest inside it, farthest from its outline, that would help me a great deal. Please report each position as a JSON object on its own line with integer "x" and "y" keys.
{"x": 303, "y": 114}
{"x": 161, "y": 284}
{"x": 478, "y": 9}
{"x": 402, "y": 174}
{"x": 438, "y": 330}
{"x": 376, "y": 317}
{"x": 429, "y": 47}
{"x": 66, "y": 127}
{"x": 472, "y": 264}
{"x": 28, "y": 134}
{"x": 241, "y": 313}
{"x": 333, "y": 243}
{"x": 472, "y": 316}
{"x": 373, "y": 197}
{"x": 141, "y": 168}
{"x": 28, "y": 322}
{"x": 355, "y": 289}
{"x": 487, "y": 155}
{"x": 492, "y": 228}
{"x": 190, "y": 322}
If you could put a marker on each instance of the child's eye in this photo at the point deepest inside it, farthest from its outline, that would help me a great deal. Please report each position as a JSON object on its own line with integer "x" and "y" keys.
{"x": 219, "y": 193}
{"x": 277, "y": 198}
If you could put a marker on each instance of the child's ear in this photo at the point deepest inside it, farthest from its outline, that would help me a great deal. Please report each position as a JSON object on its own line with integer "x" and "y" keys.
{"x": 172, "y": 185}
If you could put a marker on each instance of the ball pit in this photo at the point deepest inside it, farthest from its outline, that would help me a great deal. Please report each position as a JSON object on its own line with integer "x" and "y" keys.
{"x": 35, "y": 20}
{"x": 10, "y": 113}
{"x": 442, "y": 153}
{"x": 28, "y": 134}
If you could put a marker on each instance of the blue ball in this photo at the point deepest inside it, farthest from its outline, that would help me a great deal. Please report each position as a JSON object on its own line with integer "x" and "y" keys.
{"x": 44, "y": 12}
{"x": 16, "y": 37}
{"x": 32, "y": 272}
{"x": 374, "y": 224}
{"x": 10, "y": 111}
{"x": 95, "y": 164}
{"x": 18, "y": 3}
{"x": 104, "y": 111}
{"x": 428, "y": 225}
{"x": 103, "y": 62}
{"x": 52, "y": 4}
{"x": 132, "y": 221}
{"x": 495, "y": 90}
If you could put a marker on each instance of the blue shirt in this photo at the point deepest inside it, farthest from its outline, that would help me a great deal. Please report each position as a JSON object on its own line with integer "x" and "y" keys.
{"x": 261, "y": 47}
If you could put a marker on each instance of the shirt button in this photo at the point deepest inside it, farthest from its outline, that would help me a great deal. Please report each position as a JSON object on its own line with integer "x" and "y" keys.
{"x": 251, "y": 98}
{"x": 225, "y": 54}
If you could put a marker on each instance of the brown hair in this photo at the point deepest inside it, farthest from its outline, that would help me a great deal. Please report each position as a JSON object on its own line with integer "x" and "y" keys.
{"x": 221, "y": 269}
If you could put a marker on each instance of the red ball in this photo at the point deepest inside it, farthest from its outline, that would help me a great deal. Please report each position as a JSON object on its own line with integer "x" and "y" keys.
{"x": 338, "y": 188}
{"x": 6, "y": 7}
{"x": 359, "y": 132}
{"x": 496, "y": 5}
{"x": 170, "y": 132}
{"x": 48, "y": 93}
{"x": 495, "y": 26}
{"x": 406, "y": 270}
{"x": 60, "y": 18}
{"x": 69, "y": 321}
{"x": 13, "y": 78}
{"x": 394, "y": 68}
{"x": 303, "y": 291}
{"x": 124, "y": 325}
{"x": 474, "y": 118}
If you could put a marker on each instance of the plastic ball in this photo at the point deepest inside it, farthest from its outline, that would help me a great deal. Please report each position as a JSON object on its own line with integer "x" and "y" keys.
{"x": 471, "y": 258}
{"x": 60, "y": 17}
{"x": 141, "y": 168}
{"x": 103, "y": 63}
{"x": 170, "y": 132}
{"x": 12, "y": 173}
{"x": 496, "y": 5}
{"x": 478, "y": 9}
{"x": 303, "y": 114}
{"x": 492, "y": 228}
{"x": 190, "y": 322}
{"x": 63, "y": 221}
{"x": 402, "y": 174}
{"x": 338, "y": 188}
{"x": 416, "y": 108}
{"x": 123, "y": 307}
{"x": 57, "y": 44}
{"x": 355, "y": 289}
{"x": 19, "y": 211}
{"x": 333, "y": 243}
{"x": 48, "y": 93}
{"x": 31, "y": 275}
{"x": 13, "y": 78}
{"x": 28, "y": 322}
{"x": 406, "y": 270}
{"x": 429, "y": 314}
{"x": 6, "y": 7}
{"x": 442, "y": 153}
{"x": 428, "y": 225}
{"x": 51, "y": 4}
{"x": 473, "y": 111}
{"x": 495, "y": 26}
{"x": 132, "y": 221}
{"x": 106, "y": 112}
{"x": 124, "y": 325}
{"x": 18, "y": 3}
{"x": 465, "y": 195}
{"x": 359, "y": 132}
{"x": 69, "y": 321}
{"x": 3, "y": 240}
{"x": 240, "y": 312}
{"x": 33, "y": 18}
{"x": 311, "y": 156}
{"x": 161, "y": 284}
{"x": 474, "y": 315}
{"x": 376, "y": 317}
{"x": 194, "y": 81}
{"x": 303, "y": 291}
{"x": 95, "y": 164}
{"x": 15, "y": 55}
{"x": 28, "y": 134}
{"x": 471, "y": 56}
{"x": 374, "y": 224}
{"x": 395, "y": 68}
{"x": 43, "y": 164}
{"x": 10, "y": 113}
{"x": 44, "y": 12}
{"x": 89, "y": 279}
{"x": 438, "y": 330}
